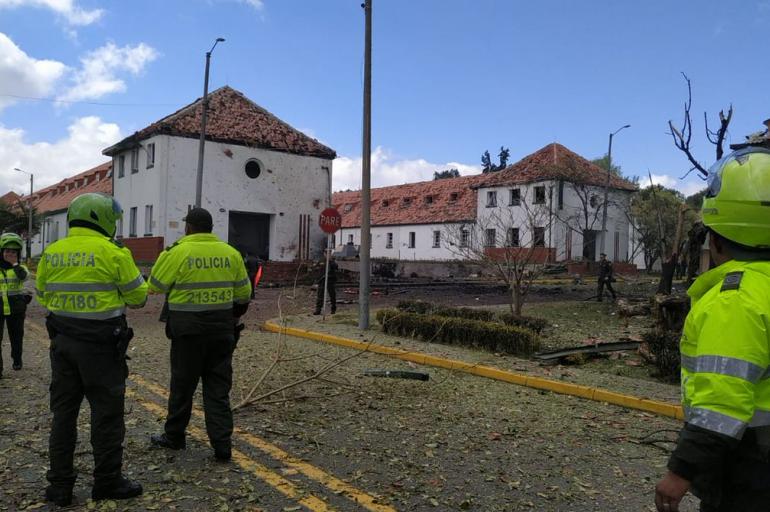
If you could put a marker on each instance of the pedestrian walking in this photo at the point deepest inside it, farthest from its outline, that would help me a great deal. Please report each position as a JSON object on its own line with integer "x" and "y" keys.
{"x": 207, "y": 290}
{"x": 606, "y": 277}
{"x": 723, "y": 452}
{"x": 13, "y": 299}
{"x": 85, "y": 281}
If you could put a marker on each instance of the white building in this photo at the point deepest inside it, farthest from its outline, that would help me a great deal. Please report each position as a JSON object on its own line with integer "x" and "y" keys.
{"x": 550, "y": 200}
{"x": 263, "y": 181}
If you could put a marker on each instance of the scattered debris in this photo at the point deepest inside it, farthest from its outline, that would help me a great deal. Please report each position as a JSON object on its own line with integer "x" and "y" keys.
{"x": 398, "y": 374}
{"x": 588, "y": 349}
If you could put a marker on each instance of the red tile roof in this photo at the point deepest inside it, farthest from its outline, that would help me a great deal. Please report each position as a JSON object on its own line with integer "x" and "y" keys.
{"x": 57, "y": 197}
{"x": 11, "y": 199}
{"x": 444, "y": 207}
{"x": 232, "y": 118}
{"x": 554, "y": 162}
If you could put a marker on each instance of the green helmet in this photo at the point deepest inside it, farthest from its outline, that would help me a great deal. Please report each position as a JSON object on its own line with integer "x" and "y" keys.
{"x": 737, "y": 200}
{"x": 11, "y": 241}
{"x": 95, "y": 211}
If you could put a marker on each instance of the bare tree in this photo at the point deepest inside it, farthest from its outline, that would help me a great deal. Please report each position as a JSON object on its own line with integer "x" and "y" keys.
{"x": 508, "y": 241}
{"x": 683, "y": 136}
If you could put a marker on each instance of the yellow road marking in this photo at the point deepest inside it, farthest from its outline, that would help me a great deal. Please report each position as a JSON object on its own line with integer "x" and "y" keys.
{"x": 331, "y": 482}
{"x": 270, "y": 477}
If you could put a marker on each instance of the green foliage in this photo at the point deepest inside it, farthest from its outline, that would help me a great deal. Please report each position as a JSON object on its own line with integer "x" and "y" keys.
{"x": 484, "y": 315}
{"x": 665, "y": 347}
{"x": 603, "y": 161}
{"x": 490, "y": 336}
{"x": 486, "y": 160}
{"x": 14, "y": 219}
{"x": 696, "y": 200}
{"x": 447, "y": 173}
{"x": 647, "y": 209}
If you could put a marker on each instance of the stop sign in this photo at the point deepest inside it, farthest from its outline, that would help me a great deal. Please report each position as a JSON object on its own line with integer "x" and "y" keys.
{"x": 330, "y": 220}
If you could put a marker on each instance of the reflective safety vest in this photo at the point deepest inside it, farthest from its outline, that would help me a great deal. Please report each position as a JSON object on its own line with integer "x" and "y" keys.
{"x": 725, "y": 349}
{"x": 11, "y": 285}
{"x": 200, "y": 272}
{"x": 87, "y": 275}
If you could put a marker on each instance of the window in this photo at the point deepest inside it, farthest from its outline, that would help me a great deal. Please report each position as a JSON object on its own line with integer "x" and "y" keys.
{"x": 148, "y": 220}
{"x": 491, "y": 198}
{"x": 412, "y": 240}
{"x": 539, "y": 195}
{"x": 119, "y": 228}
{"x": 512, "y": 237}
{"x": 617, "y": 247}
{"x": 490, "y": 240}
{"x": 350, "y": 239}
{"x": 436, "y": 239}
{"x": 453, "y": 197}
{"x": 347, "y": 208}
{"x": 428, "y": 199}
{"x": 121, "y": 166}
{"x": 150, "y": 155}
{"x": 134, "y": 160}
{"x": 253, "y": 169}
{"x": 55, "y": 231}
{"x": 464, "y": 238}
{"x": 385, "y": 203}
{"x": 406, "y": 202}
{"x": 389, "y": 241}
{"x": 568, "y": 244}
{"x": 594, "y": 201}
{"x": 561, "y": 194}
{"x": 538, "y": 237}
{"x": 132, "y": 222}
{"x": 514, "y": 197}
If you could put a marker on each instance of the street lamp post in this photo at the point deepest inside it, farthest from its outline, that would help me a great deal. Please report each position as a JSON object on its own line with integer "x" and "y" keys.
{"x": 29, "y": 212}
{"x": 607, "y": 186}
{"x": 204, "y": 115}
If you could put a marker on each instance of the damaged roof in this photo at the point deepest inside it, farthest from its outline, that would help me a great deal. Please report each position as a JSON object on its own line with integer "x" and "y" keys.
{"x": 554, "y": 162}
{"x": 426, "y": 202}
{"x": 232, "y": 118}
{"x": 58, "y": 197}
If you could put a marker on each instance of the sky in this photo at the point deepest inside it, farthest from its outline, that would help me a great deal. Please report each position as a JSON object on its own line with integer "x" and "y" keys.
{"x": 450, "y": 78}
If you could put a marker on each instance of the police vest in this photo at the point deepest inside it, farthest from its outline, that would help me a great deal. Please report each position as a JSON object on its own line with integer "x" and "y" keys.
{"x": 200, "y": 272}
{"x": 10, "y": 285}
{"x": 725, "y": 349}
{"x": 86, "y": 275}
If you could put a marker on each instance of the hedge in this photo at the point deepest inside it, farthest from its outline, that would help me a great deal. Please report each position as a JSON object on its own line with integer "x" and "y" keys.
{"x": 490, "y": 336}
{"x": 484, "y": 315}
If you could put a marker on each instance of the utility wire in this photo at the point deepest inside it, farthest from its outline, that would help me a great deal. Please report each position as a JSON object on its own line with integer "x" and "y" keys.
{"x": 54, "y": 100}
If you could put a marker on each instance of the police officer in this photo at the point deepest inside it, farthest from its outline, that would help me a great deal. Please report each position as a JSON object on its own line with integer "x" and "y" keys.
{"x": 605, "y": 278}
{"x": 86, "y": 280}
{"x": 207, "y": 289}
{"x": 13, "y": 300}
{"x": 723, "y": 451}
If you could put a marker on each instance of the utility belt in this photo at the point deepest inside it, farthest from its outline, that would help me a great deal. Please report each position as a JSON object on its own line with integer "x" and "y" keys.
{"x": 114, "y": 331}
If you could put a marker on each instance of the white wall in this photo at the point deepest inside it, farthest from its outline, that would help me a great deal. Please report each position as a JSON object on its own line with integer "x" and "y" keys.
{"x": 423, "y": 249}
{"x": 141, "y": 189}
{"x": 287, "y": 187}
{"x": 53, "y": 226}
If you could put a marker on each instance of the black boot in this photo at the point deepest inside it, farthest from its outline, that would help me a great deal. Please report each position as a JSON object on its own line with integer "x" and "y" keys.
{"x": 123, "y": 489}
{"x": 59, "y": 496}
{"x": 223, "y": 453}
{"x": 162, "y": 441}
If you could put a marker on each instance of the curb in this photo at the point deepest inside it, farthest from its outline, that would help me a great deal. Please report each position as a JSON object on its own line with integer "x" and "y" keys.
{"x": 565, "y": 388}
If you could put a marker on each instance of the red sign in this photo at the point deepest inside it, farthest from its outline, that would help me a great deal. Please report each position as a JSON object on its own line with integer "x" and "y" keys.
{"x": 330, "y": 220}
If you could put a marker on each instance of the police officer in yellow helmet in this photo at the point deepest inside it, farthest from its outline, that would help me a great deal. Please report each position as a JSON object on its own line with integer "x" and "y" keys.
{"x": 723, "y": 453}
{"x": 206, "y": 289}
{"x": 13, "y": 299}
{"x": 86, "y": 281}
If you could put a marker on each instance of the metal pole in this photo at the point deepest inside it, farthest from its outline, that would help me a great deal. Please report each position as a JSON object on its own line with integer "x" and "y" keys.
{"x": 363, "y": 288}
{"x": 29, "y": 214}
{"x": 204, "y": 117}
{"x": 202, "y": 143}
{"x": 326, "y": 275}
{"x": 606, "y": 188}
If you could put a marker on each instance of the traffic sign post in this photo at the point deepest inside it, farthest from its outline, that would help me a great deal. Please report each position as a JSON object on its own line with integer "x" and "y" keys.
{"x": 330, "y": 222}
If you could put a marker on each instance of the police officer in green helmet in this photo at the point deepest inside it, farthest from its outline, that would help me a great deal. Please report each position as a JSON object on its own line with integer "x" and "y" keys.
{"x": 723, "y": 453}
{"x": 86, "y": 281}
{"x": 13, "y": 299}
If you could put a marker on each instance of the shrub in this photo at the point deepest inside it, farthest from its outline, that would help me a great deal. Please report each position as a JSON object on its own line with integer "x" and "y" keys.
{"x": 529, "y": 322}
{"x": 494, "y": 337}
{"x": 665, "y": 347}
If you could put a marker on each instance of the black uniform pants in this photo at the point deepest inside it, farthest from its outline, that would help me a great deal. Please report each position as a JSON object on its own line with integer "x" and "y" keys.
{"x": 15, "y": 324}
{"x": 210, "y": 359}
{"x": 319, "y": 298}
{"x": 94, "y": 371}
{"x": 604, "y": 281}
